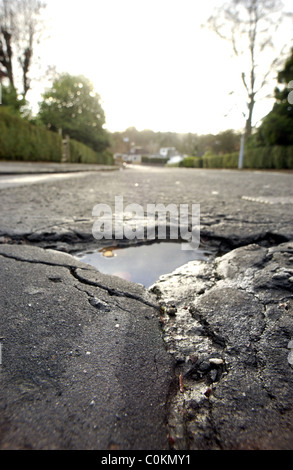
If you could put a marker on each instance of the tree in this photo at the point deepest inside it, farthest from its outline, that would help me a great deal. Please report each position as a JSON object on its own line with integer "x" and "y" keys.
{"x": 73, "y": 106}
{"x": 250, "y": 26}
{"x": 277, "y": 126}
{"x": 20, "y": 29}
{"x": 14, "y": 103}
{"x": 225, "y": 142}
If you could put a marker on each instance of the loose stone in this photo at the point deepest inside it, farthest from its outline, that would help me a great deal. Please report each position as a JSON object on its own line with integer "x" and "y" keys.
{"x": 213, "y": 375}
{"x": 215, "y": 360}
{"x": 99, "y": 304}
{"x": 290, "y": 358}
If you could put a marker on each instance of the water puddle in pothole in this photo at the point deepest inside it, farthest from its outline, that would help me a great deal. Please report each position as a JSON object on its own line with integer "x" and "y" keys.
{"x": 142, "y": 264}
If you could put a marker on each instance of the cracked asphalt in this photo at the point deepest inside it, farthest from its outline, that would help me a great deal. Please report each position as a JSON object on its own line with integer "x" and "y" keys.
{"x": 198, "y": 361}
{"x": 230, "y": 339}
{"x": 78, "y": 369}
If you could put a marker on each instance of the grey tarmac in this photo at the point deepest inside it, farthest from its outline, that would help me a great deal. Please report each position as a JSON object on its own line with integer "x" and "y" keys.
{"x": 201, "y": 360}
{"x": 74, "y": 374}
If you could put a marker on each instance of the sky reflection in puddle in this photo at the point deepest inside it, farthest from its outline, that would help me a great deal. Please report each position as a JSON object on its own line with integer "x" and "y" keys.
{"x": 142, "y": 264}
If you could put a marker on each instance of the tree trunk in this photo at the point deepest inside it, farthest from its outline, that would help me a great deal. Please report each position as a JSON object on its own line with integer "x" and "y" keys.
{"x": 6, "y": 57}
{"x": 248, "y": 126}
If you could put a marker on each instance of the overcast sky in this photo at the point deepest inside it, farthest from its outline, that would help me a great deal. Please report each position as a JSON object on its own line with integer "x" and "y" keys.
{"x": 150, "y": 61}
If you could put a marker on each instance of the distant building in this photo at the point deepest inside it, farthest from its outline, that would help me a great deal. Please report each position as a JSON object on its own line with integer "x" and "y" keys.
{"x": 138, "y": 151}
{"x": 120, "y": 158}
{"x": 136, "y": 158}
{"x": 168, "y": 152}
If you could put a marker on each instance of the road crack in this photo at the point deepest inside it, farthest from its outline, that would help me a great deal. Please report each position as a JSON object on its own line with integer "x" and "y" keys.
{"x": 112, "y": 291}
{"x": 73, "y": 271}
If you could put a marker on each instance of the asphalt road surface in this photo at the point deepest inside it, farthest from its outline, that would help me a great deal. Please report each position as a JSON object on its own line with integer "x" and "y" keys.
{"x": 84, "y": 364}
{"x": 234, "y": 206}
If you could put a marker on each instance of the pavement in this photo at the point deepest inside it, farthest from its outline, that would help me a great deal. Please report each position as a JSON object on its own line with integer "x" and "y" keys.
{"x": 25, "y": 168}
{"x": 201, "y": 360}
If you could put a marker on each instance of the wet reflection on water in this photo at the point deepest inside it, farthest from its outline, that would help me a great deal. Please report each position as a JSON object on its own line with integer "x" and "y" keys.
{"x": 142, "y": 264}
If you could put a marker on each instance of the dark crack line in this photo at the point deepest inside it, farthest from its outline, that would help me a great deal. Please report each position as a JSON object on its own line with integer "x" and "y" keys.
{"x": 92, "y": 296}
{"x": 112, "y": 291}
{"x": 45, "y": 263}
{"x": 72, "y": 269}
{"x": 23, "y": 260}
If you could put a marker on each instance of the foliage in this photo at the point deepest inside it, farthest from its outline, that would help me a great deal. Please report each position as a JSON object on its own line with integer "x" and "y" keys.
{"x": 81, "y": 153}
{"x": 186, "y": 144}
{"x": 277, "y": 126}
{"x": 220, "y": 161}
{"x": 20, "y": 140}
{"x": 23, "y": 141}
{"x": 20, "y": 29}
{"x": 188, "y": 162}
{"x": 271, "y": 157}
{"x": 250, "y": 26}
{"x": 192, "y": 162}
{"x": 153, "y": 160}
{"x": 73, "y": 106}
{"x": 12, "y": 101}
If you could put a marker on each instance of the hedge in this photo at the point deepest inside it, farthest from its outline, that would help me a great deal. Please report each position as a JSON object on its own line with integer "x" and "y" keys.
{"x": 192, "y": 162}
{"x": 22, "y": 141}
{"x": 274, "y": 157}
{"x": 154, "y": 160}
{"x": 81, "y": 153}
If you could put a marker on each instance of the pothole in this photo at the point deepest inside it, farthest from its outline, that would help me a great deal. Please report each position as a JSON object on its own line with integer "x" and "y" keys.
{"x": 142, "y": 264}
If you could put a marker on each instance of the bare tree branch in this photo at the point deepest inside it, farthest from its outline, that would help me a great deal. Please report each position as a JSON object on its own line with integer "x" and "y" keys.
{"x": 250, "y": 25}
{"x": 19, "y": 28}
